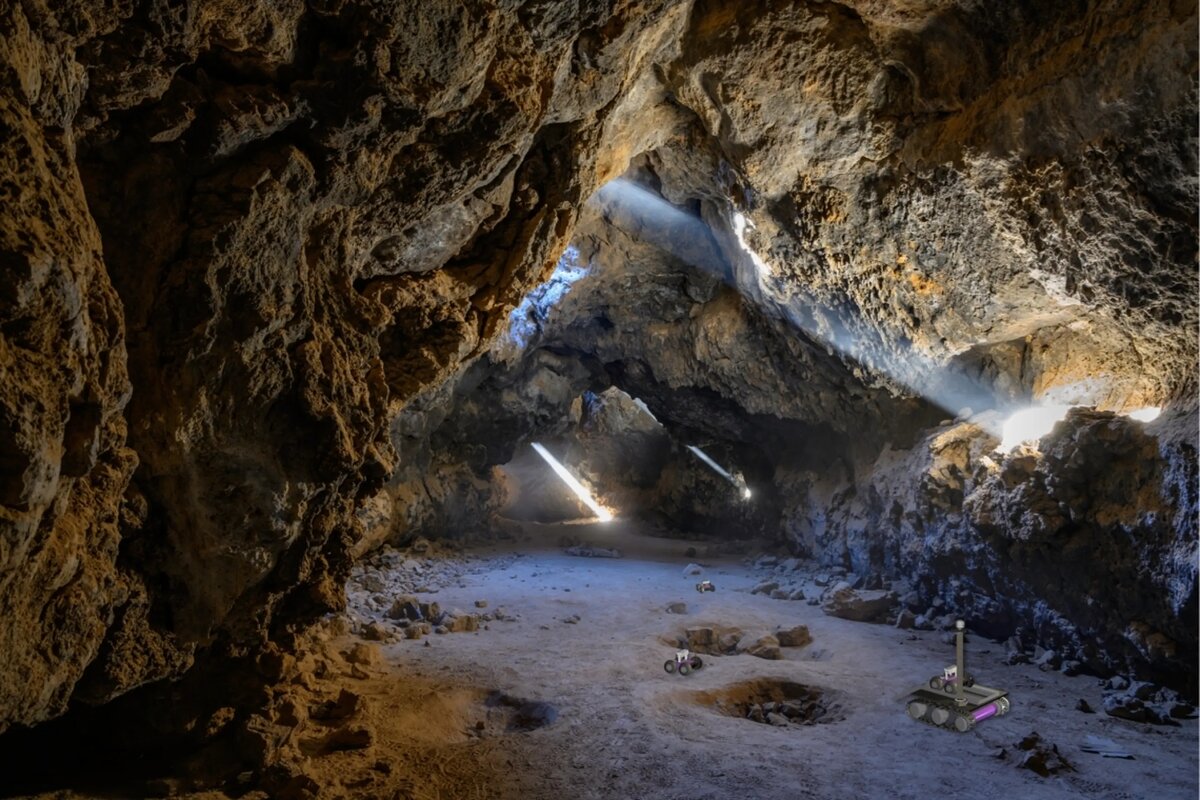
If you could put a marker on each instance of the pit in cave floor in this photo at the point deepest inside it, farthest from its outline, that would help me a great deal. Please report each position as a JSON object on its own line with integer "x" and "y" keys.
{"x": 587, "y": 636}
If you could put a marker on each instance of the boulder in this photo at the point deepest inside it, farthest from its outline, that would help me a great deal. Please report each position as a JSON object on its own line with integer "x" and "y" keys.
{"x": 1041, "y": 756}
{"x": 860, "y": 605}
{"x": 405, "y": 607}
{"x": 765, "y": 646}
{"x": 797, "y": 636}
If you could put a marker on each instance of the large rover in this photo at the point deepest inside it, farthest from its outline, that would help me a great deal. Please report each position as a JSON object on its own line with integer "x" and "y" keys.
{"x": 953, "y": 699}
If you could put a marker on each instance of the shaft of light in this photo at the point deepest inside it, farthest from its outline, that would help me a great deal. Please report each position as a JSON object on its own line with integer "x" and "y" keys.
{"x": 583, "y": 494}
{"x": 740, "y": 224}
{"x": 1148, "y": 414}
{"x": 1030, "y": 425}
{"x": 703, "y": 456}
{"x": 840, "y": 328}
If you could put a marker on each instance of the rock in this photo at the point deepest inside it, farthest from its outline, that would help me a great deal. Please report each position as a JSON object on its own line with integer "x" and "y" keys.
{"x": 368, "y": 655}
{"x": 417, "y": 630}
{"x": 779, "y": 594}
{"x": 1071, "y": 668}
{"x": 766, "y": 587}
{"x": 1142, "y": 690}
{"x": 1126, "y": 707}
{"x": 571, "y": 620}
{"x": 594, "y": 552}
{"x": 1118, "y": 682}
{"x": 1180, "y": 709}
{"x": 1041, "y": 756}
{"x": 1084, "y": 706}
{"x": 765, "y": 646}
{"x": 865, "y": 605}
{"x": 727, "y": 640}
{"x": 778, "y": 720}
{"x": 1130, "y": 707}
{"x": 351, "y": 737}
{"x": 905, "y": 619}
{"x": 275, "y": 664}
{"x": 796, "y": 594}
{"x": 766, "y": 561}
{"x": 699, "y": 637}
{"x": 431, "y": 611}
{"x": 677, "y": 608}
{"x": 347, "y": 704}
{"x": 715, "y": 640}
{"x": 481, "y": 603}
{"x": 797, "y": 636}
{"x": 290, "y": 712}
{"x": 376, "y": 632}
{"x": 372, "y": 581}
{"x": 405, "y": 607}
{"x": 693, "y": 569}
{"x": 459, "y": 622}
{"x": 1047, "y": 661}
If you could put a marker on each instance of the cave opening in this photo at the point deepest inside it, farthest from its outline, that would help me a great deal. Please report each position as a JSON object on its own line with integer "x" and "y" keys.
{"x": 605, "y": 399}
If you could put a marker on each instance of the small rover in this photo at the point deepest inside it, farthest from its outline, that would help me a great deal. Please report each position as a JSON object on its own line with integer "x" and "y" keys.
{"x": 683, "y": 663}
{"x": 705, "y": 586}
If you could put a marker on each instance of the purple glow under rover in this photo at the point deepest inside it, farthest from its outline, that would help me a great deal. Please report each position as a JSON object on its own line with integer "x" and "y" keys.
{"x": 983, "y": 712}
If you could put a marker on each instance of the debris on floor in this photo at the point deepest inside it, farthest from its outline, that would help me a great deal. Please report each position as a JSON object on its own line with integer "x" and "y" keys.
{"x": 1042, "y": 756}
{"x": 1106, "y": 748}
{"x": 590, "y": 551}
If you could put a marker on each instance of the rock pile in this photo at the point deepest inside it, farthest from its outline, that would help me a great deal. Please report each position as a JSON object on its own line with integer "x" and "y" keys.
{"x": 720, "y": 640}
{"x": 774, "y": 702}
{"x": 1142, "y": 701}
{"x": 1041, "y": 756}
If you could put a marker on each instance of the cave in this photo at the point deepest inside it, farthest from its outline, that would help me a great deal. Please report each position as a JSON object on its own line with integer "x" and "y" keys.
{"x": 600, "y": 399}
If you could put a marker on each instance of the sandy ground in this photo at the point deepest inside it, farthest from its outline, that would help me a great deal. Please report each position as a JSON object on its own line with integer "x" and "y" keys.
{"x": 569, "y": 698}
{"x": 626, "y": 729}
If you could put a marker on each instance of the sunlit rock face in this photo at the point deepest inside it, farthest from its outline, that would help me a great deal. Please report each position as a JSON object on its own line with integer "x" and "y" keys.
{"x": 255, "y": 258}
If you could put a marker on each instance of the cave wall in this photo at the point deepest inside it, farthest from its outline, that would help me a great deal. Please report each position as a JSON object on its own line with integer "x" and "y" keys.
{"x": 1086, "y": 545}
{"x": 237, "y": 241}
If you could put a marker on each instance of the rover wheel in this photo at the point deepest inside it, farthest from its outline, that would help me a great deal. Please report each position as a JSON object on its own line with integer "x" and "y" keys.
{"x": 684, "y": 669}
{"x": 696, "y": 662}
{"x": 935, "y": 682}
{"x": 669, "y": 667}
{"x": 970, "y": 681}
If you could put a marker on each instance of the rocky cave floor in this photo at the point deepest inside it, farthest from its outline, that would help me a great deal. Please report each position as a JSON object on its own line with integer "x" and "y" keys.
{"x": 545, "y": 679}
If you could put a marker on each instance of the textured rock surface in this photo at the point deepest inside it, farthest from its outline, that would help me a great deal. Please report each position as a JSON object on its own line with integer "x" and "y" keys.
{"x": 252, "y": 256}
{"x": 310, "y": 214}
